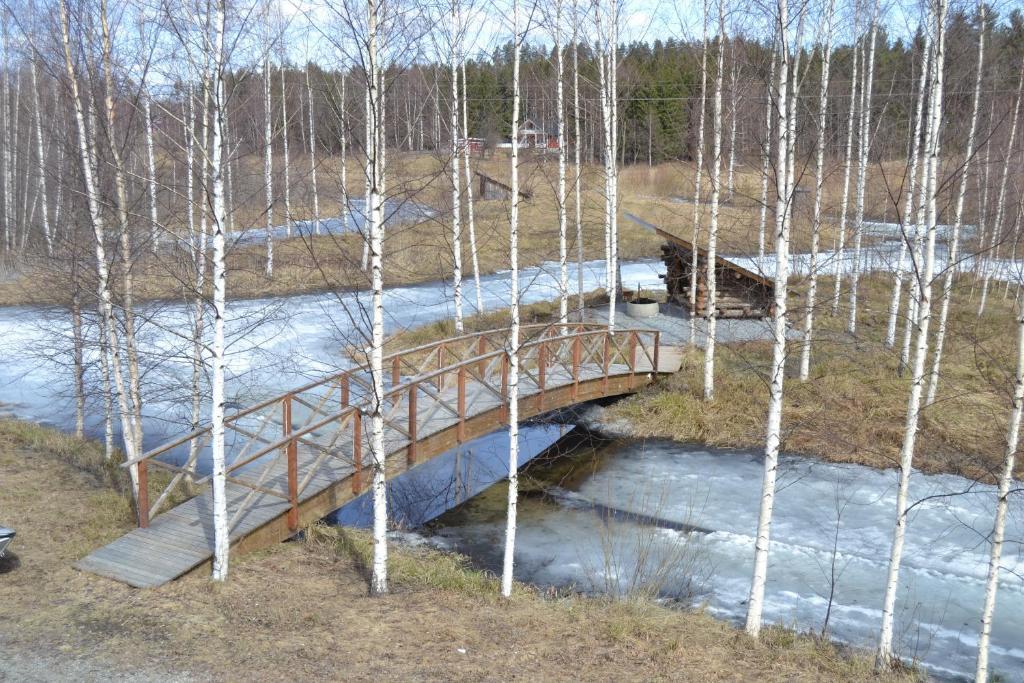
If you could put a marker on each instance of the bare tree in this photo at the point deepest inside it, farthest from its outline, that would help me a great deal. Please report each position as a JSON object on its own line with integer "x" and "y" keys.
{"x": 819, "y": 184}
{"x": 958, "y": 215}
{"x": 937, "y": 24}
{"x": 864, "y": 145}
{"x": 508, "y": 562}
{"x": 716, "y": 191}
{"x": 755, "y": 604}
{"x": 700, "y": 167}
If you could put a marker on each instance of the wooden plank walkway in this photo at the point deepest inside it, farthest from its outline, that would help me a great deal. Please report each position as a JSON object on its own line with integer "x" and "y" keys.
{"x": 327, "y": 468}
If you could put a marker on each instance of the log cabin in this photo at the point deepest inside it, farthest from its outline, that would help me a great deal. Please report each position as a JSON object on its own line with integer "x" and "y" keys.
{"x": 741, "y": 293}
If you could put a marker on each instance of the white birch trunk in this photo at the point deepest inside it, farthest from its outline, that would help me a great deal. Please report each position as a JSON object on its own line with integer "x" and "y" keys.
{"x": 958, "y": 214}
{"x": 1002, "y": 499}
{"x": 154, "y": 226}
{"x": 508, "y": 563}
{"x": 41, "y": 155}
{"x": 730, "y": 183}
{"x": 563, "y": 245}
{"x": 716, "y": 190}
{"x": 473, "y": 253}
{"x": 864, "y": 142}
{"x": 847, "y": 163}
{"x": 220, "y": 512}
{"x": 375, "y": 174}
{"x": 369, "y": 183}
{"x": 755, "y": 603}
{"x": 268, "y": 163}
{"x": 997, "y": 226}
{"x": 915, "y": 150}
{"x": 766, "y": 153}
{"x": 578, "y": 171}
{"x": 937, "y": 20}
{"x": 108, "y": 325}
{"x": 285, "y": 161}
{"x": 699, "y": 171}
{"x": 343, "y": 143}
{"x": 819, "y": 184}
{"x": 312, "y": 156}
{"x": 456, "y": 188}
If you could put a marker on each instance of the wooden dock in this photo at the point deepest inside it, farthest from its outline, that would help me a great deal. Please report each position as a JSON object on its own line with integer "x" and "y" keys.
{"x": 297, "y": 457}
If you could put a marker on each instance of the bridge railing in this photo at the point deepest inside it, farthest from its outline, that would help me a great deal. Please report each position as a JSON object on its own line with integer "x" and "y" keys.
{"x": 426, "y": 388}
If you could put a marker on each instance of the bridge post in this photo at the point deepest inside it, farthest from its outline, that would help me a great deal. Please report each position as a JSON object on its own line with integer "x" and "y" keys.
{"x": 632, "y": 357}
{"x": 143, "y": 502}
{"x": 410, "y": 453}
{"x": 344, "y": 390}
{"x": 606, "y": 360}
{"x": 396, "y": 371}
{"x": 460, "y": 432}
{"x": 357, "y": 451}
{"x": 576, "y": 355}
{"x": 291, "y": 451}
{"x": 542, "y": 362}
{"x": 481, "y": 349}
{"x": 657, "y": 349}
{"x": 504, "y": 386}
{"x": 440, "y": 364}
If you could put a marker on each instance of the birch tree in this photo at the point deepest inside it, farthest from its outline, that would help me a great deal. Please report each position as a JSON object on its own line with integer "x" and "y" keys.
{"x": 470, "y": 219}
{"x": 755, "y": 603}
{"x": 108, "y": 325}
{"x": 915, "y": 150}
{"x": 997, "y": 226}
{"x": 819, "y": 184}
{"x": 268, "y": 159}
{"x": 453, "y": 62}
{"x": 577, "y": 170}
{"x": 563, "y": 255}
{"x": 285, "y": 159}
{"x": 699, "y": 170}
{"x": 766, "y": 152}
{"x": 375, "y": 234}
{"x": 864, "y": 146}
{"x": 730, "y": 183}
{"x": 847, "y": 164}
{"x": 716, "y": 190}
{"x": 981, "y": 674}
{"x": 41, "y": 157}
{"x": 508, "y": 562}
{"x": 937, "y": 24}
{"x": 312, "y": 154}
{"x": 220, "y": 512}
{"x": 958, "y": 214}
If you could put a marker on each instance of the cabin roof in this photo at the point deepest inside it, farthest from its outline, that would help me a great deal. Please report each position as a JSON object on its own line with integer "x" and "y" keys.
{"x": 724, "y": 262}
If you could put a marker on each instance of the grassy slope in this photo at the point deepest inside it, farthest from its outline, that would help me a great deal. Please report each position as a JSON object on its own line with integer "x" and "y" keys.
{"x": 300, "y": 610}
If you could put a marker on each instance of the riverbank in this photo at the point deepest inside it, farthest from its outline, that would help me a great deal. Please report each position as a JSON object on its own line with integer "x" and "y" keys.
{"x": 300, "y": 610}
{"x": 854, "y": 405}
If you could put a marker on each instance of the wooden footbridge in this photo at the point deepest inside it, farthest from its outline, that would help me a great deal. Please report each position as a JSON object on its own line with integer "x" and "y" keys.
{"x": 295, "y": 458}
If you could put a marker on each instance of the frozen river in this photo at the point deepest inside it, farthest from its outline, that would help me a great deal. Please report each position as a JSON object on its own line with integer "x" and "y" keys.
{"x": 830, "y": 536}
{"x": 274, "y": 344}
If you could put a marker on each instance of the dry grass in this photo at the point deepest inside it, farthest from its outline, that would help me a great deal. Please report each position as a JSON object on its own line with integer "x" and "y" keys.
{"x": 421, "y": 252}
{"x": 854, "y": 406}
{"x": 300, "y": 610}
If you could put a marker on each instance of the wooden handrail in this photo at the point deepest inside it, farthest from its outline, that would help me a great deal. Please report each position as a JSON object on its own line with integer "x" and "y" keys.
{"x": 580, "y": 330}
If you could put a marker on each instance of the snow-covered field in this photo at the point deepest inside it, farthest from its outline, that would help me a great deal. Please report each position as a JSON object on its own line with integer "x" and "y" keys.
{"x": 820, "y": 507}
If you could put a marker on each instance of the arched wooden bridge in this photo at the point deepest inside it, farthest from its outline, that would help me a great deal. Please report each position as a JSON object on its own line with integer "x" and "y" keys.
{"x": 294, "y": 458}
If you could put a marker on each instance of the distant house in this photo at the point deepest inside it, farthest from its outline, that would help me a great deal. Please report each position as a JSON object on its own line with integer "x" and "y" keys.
{"x": 476, "y": 145}
{"x": 534, "y": 138}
